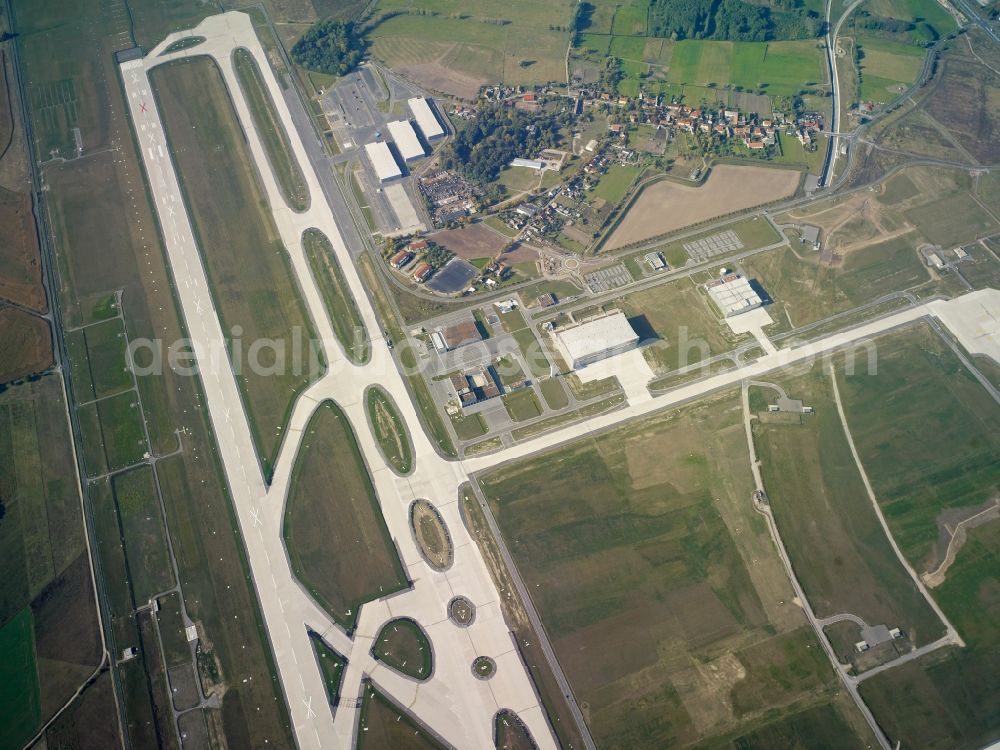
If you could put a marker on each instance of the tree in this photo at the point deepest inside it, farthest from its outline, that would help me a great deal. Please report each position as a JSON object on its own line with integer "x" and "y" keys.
{"x": 329, "y": 47}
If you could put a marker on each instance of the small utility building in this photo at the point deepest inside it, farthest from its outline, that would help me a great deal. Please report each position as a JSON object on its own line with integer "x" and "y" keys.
{"x": 733, "y": 295}
{"x": 406, "y": 139}
{"x": 595, "y": 340}
{"x": 383, "y": 162}
{"x": 426, "y": 120}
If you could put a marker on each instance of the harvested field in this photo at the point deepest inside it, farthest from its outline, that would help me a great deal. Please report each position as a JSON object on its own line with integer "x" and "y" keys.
{"x": 966, "y": 102}
{"x": 472, "y": 241}
{"x": 336, "y": 538}
{"x": 25, "y": 344}
{"x": 20, "y": 264}
{"x": 436, "y": 77}
{"x": 667, "y": 206}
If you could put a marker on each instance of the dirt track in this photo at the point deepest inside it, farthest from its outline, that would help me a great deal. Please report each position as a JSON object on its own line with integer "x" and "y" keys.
{"x": 667, "y": 206}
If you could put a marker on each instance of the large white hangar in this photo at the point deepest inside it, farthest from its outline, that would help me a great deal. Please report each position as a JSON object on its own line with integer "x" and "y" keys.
{"x": 597, "y": 339}
{"x": 383, "y": 162}
{"x": 733, "y": 295}
{"x": 426, "y": 119}
{"x": 406, "y": 139}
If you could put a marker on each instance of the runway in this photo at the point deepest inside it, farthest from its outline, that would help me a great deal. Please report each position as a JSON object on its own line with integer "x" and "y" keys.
{"x": 457, "y": 706}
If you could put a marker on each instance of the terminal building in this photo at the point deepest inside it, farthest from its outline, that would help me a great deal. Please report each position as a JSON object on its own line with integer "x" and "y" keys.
{"x": 733, "y": 295}
{"x": 383, "y": 162}
{"x": 426, "y": 119}
{"x": 406, "y": 139}
{"x": 595, "y": 340}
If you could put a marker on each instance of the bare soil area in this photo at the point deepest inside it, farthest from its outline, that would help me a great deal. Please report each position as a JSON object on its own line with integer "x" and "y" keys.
{"x": 437, "y": 77}
{"x": 667, "y": 206}
{"x": 25, "y": 344}
{"x": 472, "y": 241}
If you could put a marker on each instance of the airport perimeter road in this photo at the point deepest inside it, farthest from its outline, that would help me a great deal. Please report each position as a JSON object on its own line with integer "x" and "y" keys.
{"x": 453, "y": 703}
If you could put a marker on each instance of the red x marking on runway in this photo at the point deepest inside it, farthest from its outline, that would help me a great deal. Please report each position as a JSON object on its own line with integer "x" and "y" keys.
{"x": 142, "y": 107}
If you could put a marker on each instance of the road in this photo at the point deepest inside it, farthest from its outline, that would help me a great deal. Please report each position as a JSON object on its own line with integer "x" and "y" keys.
{"x": 764, "y": 509}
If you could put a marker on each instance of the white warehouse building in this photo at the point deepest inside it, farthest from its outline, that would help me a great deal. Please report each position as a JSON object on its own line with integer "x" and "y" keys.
{"x": 425, "y": 117}
{"x": 406, "y": 139}
{"x": 595, "y": 340}
{"x": 733, "y": 295}
{"x": 383, "y": 162}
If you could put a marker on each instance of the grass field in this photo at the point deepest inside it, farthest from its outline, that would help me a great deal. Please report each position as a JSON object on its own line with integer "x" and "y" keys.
{"x": 389, "y": 429}
{"x": 145, "y": 545}
{"x": 679, "y": 321}
{"x": 98, "y": 360}
{"x": 775, "y": 68}
{"x": 332, "y": 665}
{"x": 637, "y": 553}
{"x": 403, "y": 645}
{"x": 340, "y": 304}
{"x": 887, "y": 68}
{"x": 336, "y": 537}
{"x": 246, "y": 264}
{"x": 838, "y": 549}
{"x": 522, "y": 405}
{"x": 554, "y": 394}
{"x": 922, "y": 391}
{"x": 614, "y": 183}
{"x": 948, "y": 699}
{"x": 383, "y": 725}
{"x": 286, "y": 168}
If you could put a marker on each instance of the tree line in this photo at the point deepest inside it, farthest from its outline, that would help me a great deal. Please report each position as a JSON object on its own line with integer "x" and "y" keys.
{"x": 732, "y": 20}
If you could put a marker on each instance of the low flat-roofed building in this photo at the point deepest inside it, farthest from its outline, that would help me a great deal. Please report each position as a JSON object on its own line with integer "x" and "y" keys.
{"x": 383, "y": 162}
{"x": 460, "y": 334}
{"x": 406, "y": 139}
{"x": 427, "y": 121}
{"x": 535, "y": 164}
{"x": 733, "y": 295}
{"x": 597, "y": 339}
{"x": 656, "y": 261}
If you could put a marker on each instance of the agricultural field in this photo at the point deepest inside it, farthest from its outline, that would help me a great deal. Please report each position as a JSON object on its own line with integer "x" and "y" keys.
{"x": 887, "y": 68}
{"x": 246, "y": 264}
{"x": 923, "y": 398}
{"x": 340, "y": 303}
{"x": 26, "y": 343}
{"x": 106, "y": 239}
{"x": 838, "y": 549}
{"x": 667, "y": 206}
{"x": 20, "y": 267}
{"x": 457, "y": 51}
{"x": 336, "y": 538}
{"x": 389, "y": 429}
{"x": 48, "y": 618}
{"x": 638, "y": 552}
